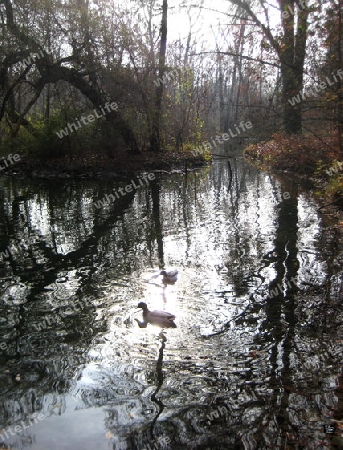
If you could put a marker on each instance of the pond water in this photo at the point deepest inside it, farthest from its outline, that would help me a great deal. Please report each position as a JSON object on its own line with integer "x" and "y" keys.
{"x": 256, "y": 359}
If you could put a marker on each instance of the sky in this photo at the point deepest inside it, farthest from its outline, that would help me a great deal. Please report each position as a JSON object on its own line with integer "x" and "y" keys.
{"x": 204, "y": 21}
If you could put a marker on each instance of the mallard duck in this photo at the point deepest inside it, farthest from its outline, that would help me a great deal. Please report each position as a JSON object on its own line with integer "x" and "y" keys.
{"x": 162, "y": 319}
{"x": 169, "y": 276}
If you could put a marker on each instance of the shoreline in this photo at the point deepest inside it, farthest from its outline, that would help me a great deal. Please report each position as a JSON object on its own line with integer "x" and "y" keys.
{"x": 102, "y": 166}
{"x": 304, "y": 158}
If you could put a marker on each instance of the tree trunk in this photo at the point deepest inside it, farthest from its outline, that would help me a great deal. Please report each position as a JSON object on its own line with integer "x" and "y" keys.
{"x": 292, "y": 56}
{"x": 291, "y": 115}
{"x": 340, "y": 84}
{"x": 221, "y": 83}
{"x": 155, "y": 139}
{"x": 290, "y": 48}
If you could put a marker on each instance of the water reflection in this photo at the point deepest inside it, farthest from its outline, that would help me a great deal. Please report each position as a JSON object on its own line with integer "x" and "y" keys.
{"x": 257, "y": 303}
{"x": 159, "y": 376}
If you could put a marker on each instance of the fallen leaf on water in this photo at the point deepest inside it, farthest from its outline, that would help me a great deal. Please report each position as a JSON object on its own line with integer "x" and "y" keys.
{"x": 109, "y": 435}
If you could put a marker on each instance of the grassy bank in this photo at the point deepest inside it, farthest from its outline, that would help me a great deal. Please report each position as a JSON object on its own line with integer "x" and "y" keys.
{"x": 307, "y": 156}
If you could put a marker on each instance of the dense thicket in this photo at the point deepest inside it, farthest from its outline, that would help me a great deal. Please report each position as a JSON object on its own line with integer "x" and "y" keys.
{"x": 267, "y": 63}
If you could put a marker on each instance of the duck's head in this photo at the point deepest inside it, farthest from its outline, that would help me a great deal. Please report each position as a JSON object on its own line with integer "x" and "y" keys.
{"x": 163, "y": 272}
{"x": 143, "y": 306}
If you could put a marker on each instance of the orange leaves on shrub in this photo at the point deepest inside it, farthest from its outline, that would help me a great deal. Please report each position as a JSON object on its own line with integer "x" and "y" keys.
{"x": 298, "y": 153}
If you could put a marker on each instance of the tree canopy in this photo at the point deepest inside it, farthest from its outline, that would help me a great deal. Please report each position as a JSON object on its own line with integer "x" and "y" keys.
{"x": 275, "y": 64}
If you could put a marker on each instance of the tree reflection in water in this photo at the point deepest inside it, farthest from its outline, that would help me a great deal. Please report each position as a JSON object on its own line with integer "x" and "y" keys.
{"x": 275, "y": 362}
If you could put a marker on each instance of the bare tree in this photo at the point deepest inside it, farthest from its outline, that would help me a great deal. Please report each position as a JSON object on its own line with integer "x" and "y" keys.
{"x": 155, "y": 140}
{"x": 290, "y": 48}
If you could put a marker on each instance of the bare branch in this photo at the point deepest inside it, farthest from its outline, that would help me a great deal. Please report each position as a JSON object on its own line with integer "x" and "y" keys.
{"x": 249, "y": 58}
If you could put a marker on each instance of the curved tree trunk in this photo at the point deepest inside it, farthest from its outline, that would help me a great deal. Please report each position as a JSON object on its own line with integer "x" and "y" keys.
{"x": 53, "y": 72}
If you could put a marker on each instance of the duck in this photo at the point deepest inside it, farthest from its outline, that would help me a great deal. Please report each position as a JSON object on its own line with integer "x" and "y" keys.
{"x": 162, "y": 319}
{"x": 169, "y": 276}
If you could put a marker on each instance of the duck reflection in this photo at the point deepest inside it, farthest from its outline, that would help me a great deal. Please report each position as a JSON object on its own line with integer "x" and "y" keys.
{"x": 162, "y": 319}
{"x": 159, "y": 373}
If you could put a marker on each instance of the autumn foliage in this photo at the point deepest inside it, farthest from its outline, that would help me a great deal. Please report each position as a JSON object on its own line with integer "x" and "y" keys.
{"x": 295, "y": 153}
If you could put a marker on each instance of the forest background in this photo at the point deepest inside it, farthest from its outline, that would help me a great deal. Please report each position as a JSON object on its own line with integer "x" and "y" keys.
{"x": 180, "y": 74}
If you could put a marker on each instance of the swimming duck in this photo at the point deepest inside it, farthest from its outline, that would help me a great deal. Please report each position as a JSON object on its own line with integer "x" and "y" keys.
{"x": 169, "y": 276}
{"x": 162, "y": 319}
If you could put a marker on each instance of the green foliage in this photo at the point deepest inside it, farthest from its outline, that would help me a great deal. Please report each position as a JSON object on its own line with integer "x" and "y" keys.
{"x": 47, "y": 142}
{"x": 187, "y": 148}
{"x": 40, "y": 139}
{"x": 21, "y": 144}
